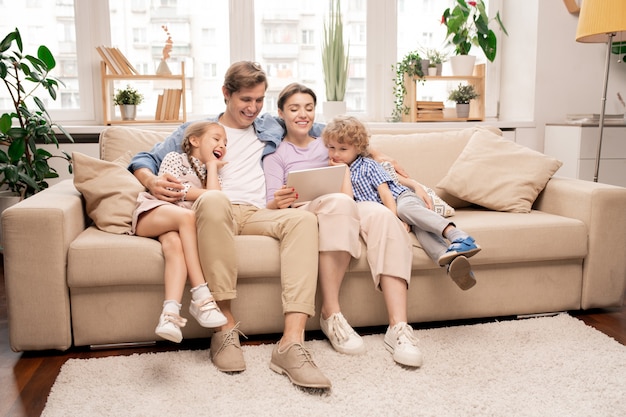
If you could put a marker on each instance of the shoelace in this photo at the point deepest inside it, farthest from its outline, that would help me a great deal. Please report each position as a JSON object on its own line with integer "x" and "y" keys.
{"x": 406, "y": 335}
{"x": 208, "y": 304}
{"x": 175, "y": 319}
{"x": 339, "y": 327}
{"x": 229, "y": 339}
{"x": 305, "y": 355}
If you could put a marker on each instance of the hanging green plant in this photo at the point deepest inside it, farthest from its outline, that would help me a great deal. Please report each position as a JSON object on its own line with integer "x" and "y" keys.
{"x": 411, "y": 66}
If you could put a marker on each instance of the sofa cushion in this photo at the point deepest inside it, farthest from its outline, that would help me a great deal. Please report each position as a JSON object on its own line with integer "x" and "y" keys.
{"x": 427, "y": 156}
{"x": 109, "y": 189}
{"x": 499, "y": 174}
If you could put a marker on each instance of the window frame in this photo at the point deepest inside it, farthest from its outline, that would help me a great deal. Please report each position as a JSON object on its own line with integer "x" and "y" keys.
{"x": 92, "y": 28}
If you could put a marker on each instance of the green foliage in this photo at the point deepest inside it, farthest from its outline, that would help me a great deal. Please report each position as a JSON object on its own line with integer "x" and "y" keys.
{"x": 411, "y": 66}
{"x": 619, "y": 48}
{"x": 436, "y": 56}
{"x": 128, "y": 95}
{"x": 463, "y": 94}
{"x": 334, "y": 55}
{"x": 468, "y": 24}
{"x": 24, "y": 167}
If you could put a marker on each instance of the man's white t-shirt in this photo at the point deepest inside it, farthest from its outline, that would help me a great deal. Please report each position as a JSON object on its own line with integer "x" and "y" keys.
{"x": 243, "y": 180}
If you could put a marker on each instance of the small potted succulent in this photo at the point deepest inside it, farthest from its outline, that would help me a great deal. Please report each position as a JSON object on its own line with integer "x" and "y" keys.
{"x": 436, "y": 59}
{"x": 128, "y": 99}
{"x": 462, "y": 95}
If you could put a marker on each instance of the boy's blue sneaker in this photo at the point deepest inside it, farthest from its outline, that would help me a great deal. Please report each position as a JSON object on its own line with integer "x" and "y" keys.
{"x": 466, "y": 247}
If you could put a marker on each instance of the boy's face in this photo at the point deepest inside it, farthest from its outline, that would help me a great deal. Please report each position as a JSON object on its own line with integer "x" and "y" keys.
{"x": 342, "y": 153}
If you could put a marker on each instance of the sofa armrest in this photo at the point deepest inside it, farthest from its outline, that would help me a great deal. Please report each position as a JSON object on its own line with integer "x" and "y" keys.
{"x": 602, "y": 208}
{"x": 37, "y": 233}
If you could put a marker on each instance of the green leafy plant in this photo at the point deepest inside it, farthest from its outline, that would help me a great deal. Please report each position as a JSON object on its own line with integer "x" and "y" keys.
{"x": 436, "y": 56}
{"x": 334, "y": 54}
{"x": 24, "y": 167}
{"x": 128, "y": 95}
{"x": 411, "y": 66}
{"x": 468, "y": 25}
{"x": 463, "y": 94}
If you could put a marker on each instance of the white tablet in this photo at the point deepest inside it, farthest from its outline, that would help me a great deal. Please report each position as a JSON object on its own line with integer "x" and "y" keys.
{"x": 314, "y": 182}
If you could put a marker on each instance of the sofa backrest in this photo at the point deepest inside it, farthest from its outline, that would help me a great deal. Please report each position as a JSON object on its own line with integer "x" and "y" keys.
{"x": 427, "y": 157}
{"x": 115, "y": 141}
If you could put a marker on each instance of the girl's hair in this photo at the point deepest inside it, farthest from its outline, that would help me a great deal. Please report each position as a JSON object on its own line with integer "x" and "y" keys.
{"x": 244, "y": 74}
{"x": 196, "y": 129}
{"x": 348, "y": 130}
{"x": 292, "y": 89}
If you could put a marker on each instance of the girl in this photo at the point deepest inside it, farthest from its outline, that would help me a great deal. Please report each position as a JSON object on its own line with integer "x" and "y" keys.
{"x": 174, "y": 224}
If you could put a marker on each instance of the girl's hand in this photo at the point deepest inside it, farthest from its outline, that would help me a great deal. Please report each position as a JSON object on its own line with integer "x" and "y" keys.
{"x": 284, "y": 197}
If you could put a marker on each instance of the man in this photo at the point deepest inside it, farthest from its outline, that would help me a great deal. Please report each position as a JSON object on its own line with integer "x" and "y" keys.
{"x": 242, "y": 202}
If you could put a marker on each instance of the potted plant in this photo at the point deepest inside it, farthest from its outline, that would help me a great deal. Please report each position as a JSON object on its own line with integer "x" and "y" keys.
{"x": 468, "y": 25}
{"x": 410, "y": 66}
{"x": 128, "y": 99}
{"x": 436, "y": 58}
{"x": 24, "y": 167}
{"x": 334, "y": 62}
{"x": 462, "y": 96}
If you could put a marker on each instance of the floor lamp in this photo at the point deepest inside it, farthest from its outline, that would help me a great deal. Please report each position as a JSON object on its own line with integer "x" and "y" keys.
{"x": 599, "y": 22}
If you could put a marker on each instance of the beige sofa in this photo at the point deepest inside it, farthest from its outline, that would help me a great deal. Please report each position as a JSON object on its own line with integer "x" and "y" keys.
{"x": 69, "y": 283}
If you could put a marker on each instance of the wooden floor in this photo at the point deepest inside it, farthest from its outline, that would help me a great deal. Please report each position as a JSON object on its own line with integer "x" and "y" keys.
{"x": 26, "y": 378}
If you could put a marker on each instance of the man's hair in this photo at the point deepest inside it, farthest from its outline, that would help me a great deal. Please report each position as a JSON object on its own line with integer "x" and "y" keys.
{"x": 292, "y": 89}
{"x": 244, "y": 74}
{"x": 348, "y": 130}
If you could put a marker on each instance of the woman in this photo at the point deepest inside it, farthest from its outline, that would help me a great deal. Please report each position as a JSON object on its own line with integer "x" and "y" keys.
{"x": 340, "y": 221}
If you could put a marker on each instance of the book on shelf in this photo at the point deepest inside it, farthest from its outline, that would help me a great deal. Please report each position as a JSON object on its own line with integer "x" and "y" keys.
{"x": 168, "y": 104}
{"x": 429, "y": 105}
{"x": 117, "y": 63}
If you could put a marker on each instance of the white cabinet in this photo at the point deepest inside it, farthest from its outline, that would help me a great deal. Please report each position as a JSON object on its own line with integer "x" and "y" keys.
{"x": 576, "y": 147}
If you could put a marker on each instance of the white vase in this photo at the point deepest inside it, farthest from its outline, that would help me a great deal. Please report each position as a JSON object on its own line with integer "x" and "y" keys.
{"x": 462, "y": 65}
{"x": 462, "y": 110}
{"x": 432, "y": 71}
{"x": 330, "y": 109}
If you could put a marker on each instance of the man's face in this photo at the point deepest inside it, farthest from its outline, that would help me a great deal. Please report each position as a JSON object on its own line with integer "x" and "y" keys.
{"x": 243, "y": 106}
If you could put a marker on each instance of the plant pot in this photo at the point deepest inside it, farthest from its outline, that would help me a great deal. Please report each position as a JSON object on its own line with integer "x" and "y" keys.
{"x": 330, "y": 109}
{"x": 432, "y": 71}
{"x": 439, "y": 69}
{"x": 462, "y": 110}
{"x": 128, "y": 111}
{"x": 462, "y": 65}
{"x": 7, "y": 199}
{"x": 425, "y": 63}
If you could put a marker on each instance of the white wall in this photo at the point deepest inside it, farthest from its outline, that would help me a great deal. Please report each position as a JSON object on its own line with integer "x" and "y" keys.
{"x": 546, "y": 74}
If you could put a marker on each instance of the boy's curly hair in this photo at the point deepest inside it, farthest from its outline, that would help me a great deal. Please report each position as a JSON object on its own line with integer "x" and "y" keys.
{"x": 348, "y": 130}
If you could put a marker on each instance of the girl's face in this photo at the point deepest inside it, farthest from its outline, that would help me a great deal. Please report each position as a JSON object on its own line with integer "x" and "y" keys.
{"x": 243, "y": 106}
{"x": 342, "y": 153}
{"x": 211, "y": 145}
{"x": 298, "y": 113}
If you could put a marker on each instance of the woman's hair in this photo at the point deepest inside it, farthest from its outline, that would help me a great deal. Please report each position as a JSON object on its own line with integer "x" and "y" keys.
{"x": 244, "y": 74}
{"x": 196, "y": 129}
{"x": 292, "y": 89}
{"x": 348, "y": 130}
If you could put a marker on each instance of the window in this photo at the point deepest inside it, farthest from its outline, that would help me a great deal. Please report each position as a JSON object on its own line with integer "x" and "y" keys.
{"x": 285, "y": 37}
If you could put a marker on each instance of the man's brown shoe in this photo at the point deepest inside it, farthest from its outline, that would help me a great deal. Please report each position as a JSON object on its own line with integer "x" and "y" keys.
{"x": 226, "y": 352}
{"x": 296, "y": 362}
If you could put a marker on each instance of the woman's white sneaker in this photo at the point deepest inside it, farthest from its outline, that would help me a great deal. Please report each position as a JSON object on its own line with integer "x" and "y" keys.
{"x": 341, "y": 335}
{"x": 402, "y": 343}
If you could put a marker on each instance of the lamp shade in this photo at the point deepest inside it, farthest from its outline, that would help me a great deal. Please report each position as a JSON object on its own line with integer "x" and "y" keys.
{"x": 600, "y": 17}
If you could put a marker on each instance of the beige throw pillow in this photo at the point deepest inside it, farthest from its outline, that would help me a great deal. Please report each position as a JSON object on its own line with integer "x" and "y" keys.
{"x": 109, "y": 189}
{"x": 499, "y": 174}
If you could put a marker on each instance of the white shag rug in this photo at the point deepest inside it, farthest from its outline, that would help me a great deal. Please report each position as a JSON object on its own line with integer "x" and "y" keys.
{"x": 548, "y": 366}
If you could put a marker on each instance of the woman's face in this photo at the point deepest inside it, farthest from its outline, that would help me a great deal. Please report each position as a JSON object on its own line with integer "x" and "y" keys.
{"x": 298, "y": 113}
